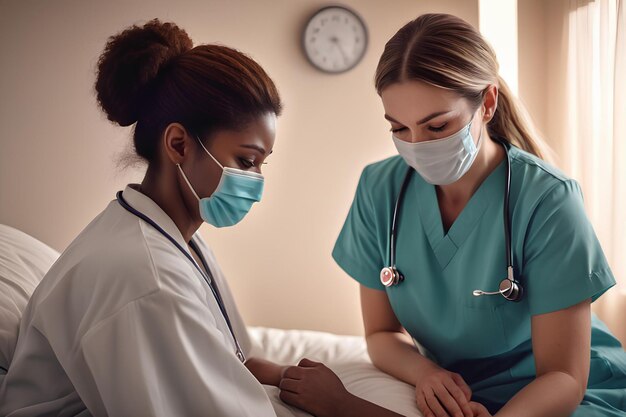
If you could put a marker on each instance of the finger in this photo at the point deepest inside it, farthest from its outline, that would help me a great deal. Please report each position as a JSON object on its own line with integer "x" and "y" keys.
{"x": 293, "y": 372}
{"x": 307, "y": 363}
{"x": 458, "y": 395}
{"x": 291, "y": 385}
{"x": 458, "y": 379}
{"x": 289, "y": 397}
{"x": 433, "y": 403}
{"x": 421, "y": 403}
{"x": 448, "y": 401}
{"x": 479, "y": 409}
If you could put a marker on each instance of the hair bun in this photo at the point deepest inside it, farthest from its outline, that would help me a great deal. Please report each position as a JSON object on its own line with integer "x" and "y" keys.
{"x": 130, "y": 62}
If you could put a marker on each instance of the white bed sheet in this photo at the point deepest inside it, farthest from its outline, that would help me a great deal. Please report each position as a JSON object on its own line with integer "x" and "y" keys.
{"x": 345, "y": 355}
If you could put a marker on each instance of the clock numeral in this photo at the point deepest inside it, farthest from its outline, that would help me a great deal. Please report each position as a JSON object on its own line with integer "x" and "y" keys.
{"x": 313, "y": 39}
{"x": 335, "y": 18}
{"x": 316, "y": 30}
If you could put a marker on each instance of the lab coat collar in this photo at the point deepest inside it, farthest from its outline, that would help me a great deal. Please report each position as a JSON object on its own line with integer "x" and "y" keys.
{"x": 148, "y": 207}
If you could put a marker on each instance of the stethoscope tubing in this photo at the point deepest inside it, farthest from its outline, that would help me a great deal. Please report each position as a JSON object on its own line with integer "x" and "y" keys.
{"x": 208, "y": 277}
{"x": 506, "y": 219}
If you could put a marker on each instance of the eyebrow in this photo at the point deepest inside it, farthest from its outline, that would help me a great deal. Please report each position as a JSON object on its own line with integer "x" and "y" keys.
{"x": 257, "y": 148}
{"x": 424, "y": 120}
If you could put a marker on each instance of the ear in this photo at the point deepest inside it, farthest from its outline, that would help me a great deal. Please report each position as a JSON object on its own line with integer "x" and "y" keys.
{"x": 177, "y": 143}
{"x": 490, "y": 102}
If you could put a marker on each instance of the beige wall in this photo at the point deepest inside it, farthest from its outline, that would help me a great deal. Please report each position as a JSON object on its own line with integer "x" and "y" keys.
{"x": 58, "y": 153}
{"x": 59, "y": 156}
{"x": 542, "y": 66}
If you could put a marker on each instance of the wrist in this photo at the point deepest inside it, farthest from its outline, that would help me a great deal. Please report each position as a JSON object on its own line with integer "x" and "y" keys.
{"x": 423, "y": 368}
{"x": 276, "y": 374}
{"x": 347, "y": 404}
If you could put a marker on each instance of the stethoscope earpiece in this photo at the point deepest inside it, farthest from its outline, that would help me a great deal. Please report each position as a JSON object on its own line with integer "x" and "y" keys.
{"x": 511, "y": 290}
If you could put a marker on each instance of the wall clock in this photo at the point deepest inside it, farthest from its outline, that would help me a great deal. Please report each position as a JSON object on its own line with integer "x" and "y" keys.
{"x": 335, "y": 39}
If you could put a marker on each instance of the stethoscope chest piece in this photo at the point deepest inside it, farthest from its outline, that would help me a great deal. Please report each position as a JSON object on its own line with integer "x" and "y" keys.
{"x": 390, "y": 276}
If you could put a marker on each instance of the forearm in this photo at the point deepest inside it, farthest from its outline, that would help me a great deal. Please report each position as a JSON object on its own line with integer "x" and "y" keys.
{"x": 395, "y": 354}
{"x": 553, "y": 394}
{"x": 266, "y": 372}
{"x": 354, "y": 406}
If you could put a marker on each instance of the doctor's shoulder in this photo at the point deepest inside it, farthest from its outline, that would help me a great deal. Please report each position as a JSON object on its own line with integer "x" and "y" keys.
{"x": 114, "y": 261}
{"x": 533, "y": 179}
{"x": 547, "y": 204}
{"x": 382, "y": 179}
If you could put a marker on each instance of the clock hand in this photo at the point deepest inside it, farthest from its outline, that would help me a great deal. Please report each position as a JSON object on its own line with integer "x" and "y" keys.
{"x": 336, "y": 42}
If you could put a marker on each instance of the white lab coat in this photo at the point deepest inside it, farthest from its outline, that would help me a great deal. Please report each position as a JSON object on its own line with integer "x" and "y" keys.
{"x": 124, "y": 325}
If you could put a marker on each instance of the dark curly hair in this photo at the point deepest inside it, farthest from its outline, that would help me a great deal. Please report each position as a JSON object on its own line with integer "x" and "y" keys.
{"x": 152, "y": 76}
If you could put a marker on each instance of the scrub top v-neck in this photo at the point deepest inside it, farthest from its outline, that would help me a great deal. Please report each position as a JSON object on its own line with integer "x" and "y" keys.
{"x": 557, "y": 257}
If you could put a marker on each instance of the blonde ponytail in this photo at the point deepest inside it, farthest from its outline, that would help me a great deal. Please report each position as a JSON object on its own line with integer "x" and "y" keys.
{"x": 512, "y": 123}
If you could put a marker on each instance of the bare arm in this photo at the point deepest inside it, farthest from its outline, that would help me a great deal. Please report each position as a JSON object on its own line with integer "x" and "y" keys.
{"x": 266, "y": 372}
{"x": 389, "y": 346}
{"x": 438, "y": 392}
{"x": 561, "y": 345}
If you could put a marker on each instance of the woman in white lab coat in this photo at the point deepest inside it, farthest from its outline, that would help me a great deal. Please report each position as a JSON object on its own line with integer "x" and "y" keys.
{"x": 135, "y": 318}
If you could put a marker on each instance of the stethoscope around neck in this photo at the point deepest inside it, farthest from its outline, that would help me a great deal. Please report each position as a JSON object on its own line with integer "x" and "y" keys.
{"x": 509, "y": 288}
{"x": 208, "y": 277}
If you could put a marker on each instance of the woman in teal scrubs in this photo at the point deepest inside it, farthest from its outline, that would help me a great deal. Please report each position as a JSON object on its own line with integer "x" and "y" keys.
{"x": 467, "y": 355}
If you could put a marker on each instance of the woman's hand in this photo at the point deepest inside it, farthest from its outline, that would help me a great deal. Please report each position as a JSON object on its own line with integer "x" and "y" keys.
{"x": 440, "y": 393}
{"x": 314, "y": 388}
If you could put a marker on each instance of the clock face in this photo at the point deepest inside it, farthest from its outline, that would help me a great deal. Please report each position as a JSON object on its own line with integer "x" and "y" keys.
{"x": 335, "y": 39}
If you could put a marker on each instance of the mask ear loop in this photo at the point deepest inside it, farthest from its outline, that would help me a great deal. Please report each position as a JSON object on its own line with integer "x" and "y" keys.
{"x": 209, "y": 153}
{"x": 187, "y": 181}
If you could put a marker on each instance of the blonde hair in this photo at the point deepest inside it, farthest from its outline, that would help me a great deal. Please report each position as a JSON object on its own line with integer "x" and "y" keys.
{"x": 445, "y": 51}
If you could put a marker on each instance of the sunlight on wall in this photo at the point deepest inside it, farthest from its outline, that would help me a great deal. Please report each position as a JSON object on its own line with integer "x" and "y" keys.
{"x": 498, "y": 23}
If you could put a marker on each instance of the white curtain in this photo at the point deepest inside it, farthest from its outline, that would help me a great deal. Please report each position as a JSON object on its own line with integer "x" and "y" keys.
{"x": 595, "y": 150}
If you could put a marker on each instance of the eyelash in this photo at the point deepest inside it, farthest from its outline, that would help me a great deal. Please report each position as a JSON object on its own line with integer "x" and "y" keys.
{"x": 438, "y": 128}
{"x": 246, "y": 163}
{"x": 431, "y": 128}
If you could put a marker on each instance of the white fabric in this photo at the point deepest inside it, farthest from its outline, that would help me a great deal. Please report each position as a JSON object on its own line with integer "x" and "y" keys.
{"x": 595, "y": 153}
{"x": 23, "y": 262}
{"x": 124, "y": 325}
{"x": 345, "y": 355}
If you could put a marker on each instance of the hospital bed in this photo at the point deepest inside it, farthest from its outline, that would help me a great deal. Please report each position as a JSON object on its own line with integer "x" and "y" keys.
{"x": 24, "y": 260}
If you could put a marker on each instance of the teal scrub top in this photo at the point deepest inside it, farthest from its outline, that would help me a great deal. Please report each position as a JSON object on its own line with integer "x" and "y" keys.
{"x": 556, "y": 256}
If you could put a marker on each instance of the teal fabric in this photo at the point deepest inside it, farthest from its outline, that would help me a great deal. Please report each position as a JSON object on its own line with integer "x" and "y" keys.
{"x": 557, "y": 257}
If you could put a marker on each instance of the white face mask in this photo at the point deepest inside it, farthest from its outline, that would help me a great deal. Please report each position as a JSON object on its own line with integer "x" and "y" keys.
{"x": 441, "y": 161}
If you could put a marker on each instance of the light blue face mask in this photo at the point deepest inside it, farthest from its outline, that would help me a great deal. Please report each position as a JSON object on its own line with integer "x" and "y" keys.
{"x": 235, "y": 194}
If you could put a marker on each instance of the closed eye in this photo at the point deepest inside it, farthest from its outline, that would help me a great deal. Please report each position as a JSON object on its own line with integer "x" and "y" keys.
{"x": 246, "y": 163}
{"x": 438, "y": 128}
{"x": 400, "y": 129}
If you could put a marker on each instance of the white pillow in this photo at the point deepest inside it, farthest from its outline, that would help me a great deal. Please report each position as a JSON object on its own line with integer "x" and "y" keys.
{"x": 23, "y": 262}
{"x": 345, "y": 355}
